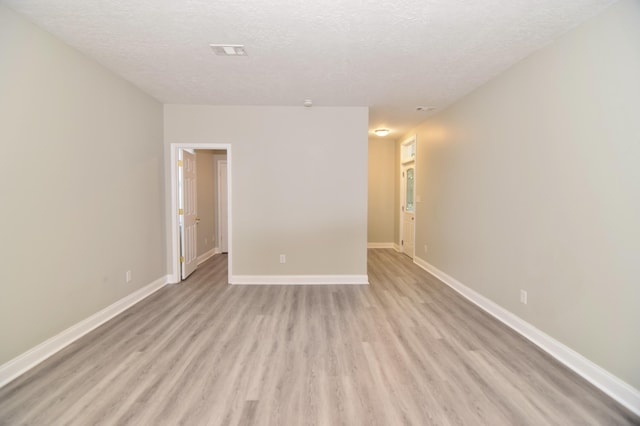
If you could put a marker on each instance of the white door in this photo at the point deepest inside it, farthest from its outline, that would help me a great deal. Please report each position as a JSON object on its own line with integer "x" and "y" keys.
{"x": 223, "y": 229}
{"x": 408, "y": 209}
{"x": 188, "y": 213}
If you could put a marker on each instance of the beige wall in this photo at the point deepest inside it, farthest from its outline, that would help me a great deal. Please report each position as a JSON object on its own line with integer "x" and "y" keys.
{"x": 533, "y": 182}
{"x": 218, "y": 155}
{"x": 396, "y": 199}
{"x": 299, "y": 183}
{"x": 206, "y": 207}
{"x": 81, "y": 187}
{"x": 207, "y": 172}
{"x": 382, "y": 191}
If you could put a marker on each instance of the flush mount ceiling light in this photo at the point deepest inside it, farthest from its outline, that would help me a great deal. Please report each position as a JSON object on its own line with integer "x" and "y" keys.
{"x": 382, "y": 132}
{"x": 228, "y": 49}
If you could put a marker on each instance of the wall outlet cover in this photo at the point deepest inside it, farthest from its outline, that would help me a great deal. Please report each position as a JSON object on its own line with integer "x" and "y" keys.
{"x": 523, "y": 296}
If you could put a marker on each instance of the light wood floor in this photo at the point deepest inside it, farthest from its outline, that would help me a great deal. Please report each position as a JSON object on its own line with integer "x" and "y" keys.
{"x": 404, "y": 350}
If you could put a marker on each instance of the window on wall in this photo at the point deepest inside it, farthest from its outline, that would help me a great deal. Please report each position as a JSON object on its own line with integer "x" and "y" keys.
{"x": 410, "y": 182}
{"x": 408, "y": 152}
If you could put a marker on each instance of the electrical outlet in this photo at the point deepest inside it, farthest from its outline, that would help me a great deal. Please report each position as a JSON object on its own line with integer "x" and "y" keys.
{"x": 523, "y": 297}
{"x": 128, "y": 276}
{"x": 283, "y": 258}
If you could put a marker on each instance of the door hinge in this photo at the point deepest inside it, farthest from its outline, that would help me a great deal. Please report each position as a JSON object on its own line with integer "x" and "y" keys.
{"x": 179, "y": 163}
{"x": 180, "y": 211}
{"x": 181, "y": 259}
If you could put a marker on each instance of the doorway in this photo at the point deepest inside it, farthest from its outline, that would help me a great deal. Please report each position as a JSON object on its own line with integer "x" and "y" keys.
{"x": 407, "y": 196}
{"x": 176, "y": 204}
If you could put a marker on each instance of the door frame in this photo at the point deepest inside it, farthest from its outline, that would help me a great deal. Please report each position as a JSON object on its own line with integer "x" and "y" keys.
{"x": 403, "y": 163}
{"x": 174, "y": 255}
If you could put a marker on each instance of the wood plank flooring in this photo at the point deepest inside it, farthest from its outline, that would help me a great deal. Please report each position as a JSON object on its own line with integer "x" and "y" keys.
{"x": 405, "y": 350}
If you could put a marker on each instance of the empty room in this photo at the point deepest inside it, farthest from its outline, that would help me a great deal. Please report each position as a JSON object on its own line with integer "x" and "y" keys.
{"x": 330, "y": 212}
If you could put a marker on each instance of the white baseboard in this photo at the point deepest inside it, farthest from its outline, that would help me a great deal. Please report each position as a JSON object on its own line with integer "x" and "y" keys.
{"x": 396, "y": 247}
{"x": 379, "y": 245}
{"x": 613, "y": 386}
{"x": 19, "y": 365}
{"x": 298, "y": 279}
{"x": 206, "y": 256}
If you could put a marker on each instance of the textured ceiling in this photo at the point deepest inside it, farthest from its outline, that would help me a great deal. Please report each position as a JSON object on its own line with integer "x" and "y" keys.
{"x": 388, "y": 55}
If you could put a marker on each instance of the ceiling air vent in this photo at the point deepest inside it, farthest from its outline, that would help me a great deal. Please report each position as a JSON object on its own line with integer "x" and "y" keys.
{"x": 228, "y": 49}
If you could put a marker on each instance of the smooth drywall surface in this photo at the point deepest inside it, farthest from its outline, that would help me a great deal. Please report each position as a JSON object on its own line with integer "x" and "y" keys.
{"x": 533, "y": 182}
{"x": 206, "y": 182}
{"x": 396, "y": 199}
{"x": 218, "y": 155}
{"x": 299, "y": 183}
{"x": 381, "y": 191}
{"x": 81, "y": 187}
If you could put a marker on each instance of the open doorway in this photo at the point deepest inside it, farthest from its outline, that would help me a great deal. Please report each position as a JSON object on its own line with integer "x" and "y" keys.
{"x": 211, "y": 232}
{"x": 199, "y": 233}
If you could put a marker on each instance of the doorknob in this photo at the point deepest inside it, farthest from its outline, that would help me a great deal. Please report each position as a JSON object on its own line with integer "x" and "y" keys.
{"x": 197, "y": 219}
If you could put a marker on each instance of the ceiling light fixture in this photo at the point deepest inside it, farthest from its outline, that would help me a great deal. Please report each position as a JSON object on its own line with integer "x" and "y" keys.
{"x": 382, "y": 132}
{"x": 228, "y": 49}
{"x": 307, "y": 103}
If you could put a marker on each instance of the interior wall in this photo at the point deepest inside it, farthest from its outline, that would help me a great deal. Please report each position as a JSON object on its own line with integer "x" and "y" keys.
{"x": 381, "y": 202}
{"x": 206, "y": 184}
{"x": 81, "y": 184}
{"x": 532, "y": 182}
{"x": 298, "y": 189}
{"x": 396, "y": 199}
{"x": 218, "y": 155}
{"x": 207, "y": 176}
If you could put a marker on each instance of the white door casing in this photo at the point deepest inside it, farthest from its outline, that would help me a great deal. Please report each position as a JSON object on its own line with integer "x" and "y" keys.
{"x": 223, "y": 229}
{"x": 189, "y": 214}
{"x": 408, "y": 209}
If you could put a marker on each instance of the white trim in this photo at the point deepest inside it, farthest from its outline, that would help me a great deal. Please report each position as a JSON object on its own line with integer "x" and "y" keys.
{"x": 20, "y": 364}
{"x": 299, "y": 279}
{"x": 613, "y": 386}
{"x": 206, "y": 256}
{"x": 396, "y": 247}
{"x": 174, "y": 276}
{"x": 380, "y": 245}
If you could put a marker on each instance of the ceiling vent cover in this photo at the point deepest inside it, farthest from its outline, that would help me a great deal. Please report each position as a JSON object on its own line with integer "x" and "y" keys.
{"x": 228, "y": 49}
